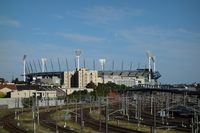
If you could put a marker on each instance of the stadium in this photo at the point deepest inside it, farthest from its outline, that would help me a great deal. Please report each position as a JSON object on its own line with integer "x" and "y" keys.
{"x": 81, "y": 76}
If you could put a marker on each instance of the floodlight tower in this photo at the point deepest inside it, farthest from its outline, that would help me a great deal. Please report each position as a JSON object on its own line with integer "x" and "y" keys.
{"x": 150, "y": 57}
{"x": 154, "y": 63}
{"x": 78, "y": 53}
{"x": 44, "y": 60}
{"x": 102, "y": 63}
{"x": 24, "y": 67}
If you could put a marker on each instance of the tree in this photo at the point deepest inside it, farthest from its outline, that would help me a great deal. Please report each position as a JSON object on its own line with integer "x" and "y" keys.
{"x": 27, "y": 102}
{"x": 91, "y": 85}
{"x": 16, "y": 80}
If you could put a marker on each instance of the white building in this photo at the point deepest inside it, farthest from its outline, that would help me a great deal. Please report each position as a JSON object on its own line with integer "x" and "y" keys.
{"x": 26, "y": 91}
{"x": 128, "y": 78}
{"x": 30, "y": 93}
{"x": 80, "y": 78}
{"x": 68, "y": 79}
{"x": 86, "y": 76}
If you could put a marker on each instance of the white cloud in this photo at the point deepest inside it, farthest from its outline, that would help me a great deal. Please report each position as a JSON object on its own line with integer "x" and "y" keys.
{"x": 36, "y": 29}
{"x": 105, "y": 14}
{"x": 58, "y": 16}
{"x": 80, "y": 37}
{"x": 4, "y": 21}
{"x": 157, "y": 38}
{"x": 40, "y": 33}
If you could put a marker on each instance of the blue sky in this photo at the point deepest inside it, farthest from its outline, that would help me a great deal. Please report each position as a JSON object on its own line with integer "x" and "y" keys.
{"x": 115, "y": 30}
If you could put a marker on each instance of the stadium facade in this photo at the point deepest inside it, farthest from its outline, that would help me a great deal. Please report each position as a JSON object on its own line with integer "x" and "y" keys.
{"x": 80, "y": 78}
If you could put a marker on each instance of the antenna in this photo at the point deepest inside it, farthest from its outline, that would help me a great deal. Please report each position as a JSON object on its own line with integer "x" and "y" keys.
{"x": 78, "y": 53}
{"x": 24, "y": 67}
{"x": 102, "y": 63}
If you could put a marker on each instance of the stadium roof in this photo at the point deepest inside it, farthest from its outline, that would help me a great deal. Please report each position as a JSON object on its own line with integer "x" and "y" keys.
{"x": 125, "y": 73}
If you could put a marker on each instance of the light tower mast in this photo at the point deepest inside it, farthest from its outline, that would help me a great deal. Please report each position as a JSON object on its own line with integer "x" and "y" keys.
{"x": 150, "y": 57}
{"x": 24, "y": 68}
{"x": 78, "y": 53}
{"x": 43, "y": 64}
{"x": 102, "y": 63}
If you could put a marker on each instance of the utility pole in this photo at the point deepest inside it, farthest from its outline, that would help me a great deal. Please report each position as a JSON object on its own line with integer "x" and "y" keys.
{"x": 197, "y": 122}
{"x": 151, "y": 103}
{"x": 57, "y": 116}
{"x": 82, "y": 122}
{"x": 38, "y": 115}
{"x": 99, "y": 114}
{"x": 76, "y": 112}
{"x": 192, "y": 125}
{"x": 123, "y": 104}
{"x": 126, "y": 104}
{"x": 136, "y": 104}
{"x": 24, "y": 68}
{"x": 138, "y": 113}
{"x": 154, "y": 118}
{"x": 106, "y": 115}
{"x": 33, "y": 115}
{"x": 162, "y": 112}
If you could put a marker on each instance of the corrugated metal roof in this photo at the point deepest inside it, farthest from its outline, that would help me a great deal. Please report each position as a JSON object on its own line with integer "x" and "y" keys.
{"x": 125, "y": 73}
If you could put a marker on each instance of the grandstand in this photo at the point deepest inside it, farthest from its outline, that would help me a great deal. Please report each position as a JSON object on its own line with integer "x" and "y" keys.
{"x": 127, "y": 77}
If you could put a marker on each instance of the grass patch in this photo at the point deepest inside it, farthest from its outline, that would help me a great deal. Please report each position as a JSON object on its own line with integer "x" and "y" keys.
{"x": 3, "y": 130}
{"x": 40, "y": 129}
{"x": 4, "y": 112}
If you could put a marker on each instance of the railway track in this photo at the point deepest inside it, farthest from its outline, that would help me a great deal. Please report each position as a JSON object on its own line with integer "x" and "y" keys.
{"x": 148, "y": 120}
{"x": 111, "y": 128}
{"x": 10, "y": 125}
{"x": 51, "y": 124}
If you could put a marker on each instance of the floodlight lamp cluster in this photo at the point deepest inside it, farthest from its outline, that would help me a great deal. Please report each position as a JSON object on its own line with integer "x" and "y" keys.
{"x": 102, "y": 61}
{"x": 78, "y": 52}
